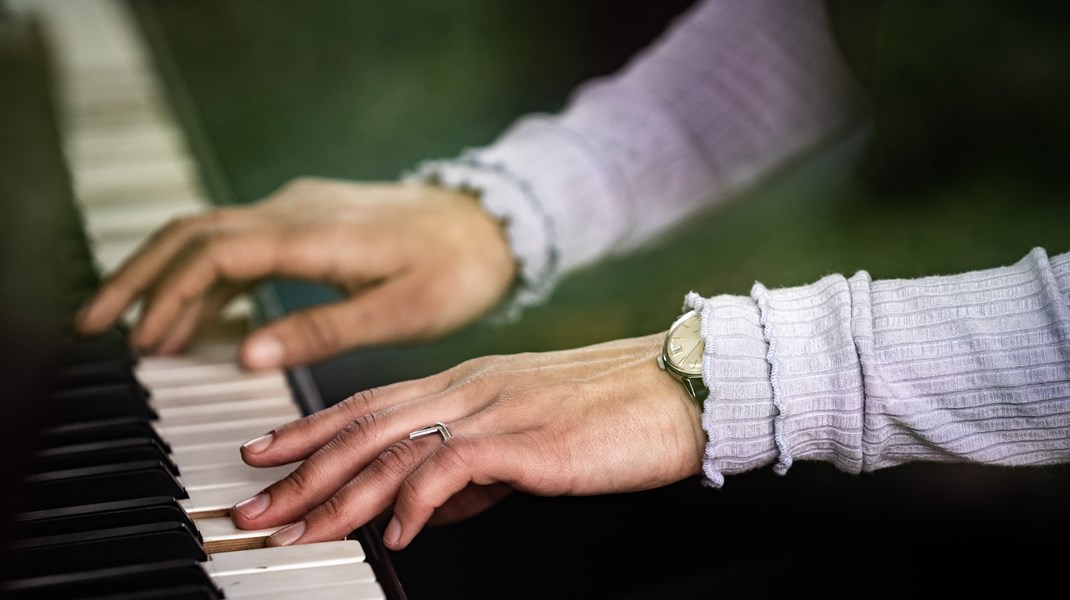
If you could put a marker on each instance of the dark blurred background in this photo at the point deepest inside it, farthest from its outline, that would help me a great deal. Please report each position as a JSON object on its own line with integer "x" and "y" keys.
{"x": 965, "y": 169}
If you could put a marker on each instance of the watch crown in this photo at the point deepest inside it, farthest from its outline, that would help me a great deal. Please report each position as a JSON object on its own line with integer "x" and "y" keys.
{"x": 661, "y": 363}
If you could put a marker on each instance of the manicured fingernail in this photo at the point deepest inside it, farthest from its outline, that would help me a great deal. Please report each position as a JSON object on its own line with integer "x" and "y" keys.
{"x": 250, "y": 508}
{"x": 264, "y": 351}
{"x": 288, "y": 535}
{"x": 393, "y": 532}
{"x": 259, "y": 444}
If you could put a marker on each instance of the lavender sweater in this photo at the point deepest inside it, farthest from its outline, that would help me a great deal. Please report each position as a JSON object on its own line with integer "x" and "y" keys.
{"x": 864, "y": 374}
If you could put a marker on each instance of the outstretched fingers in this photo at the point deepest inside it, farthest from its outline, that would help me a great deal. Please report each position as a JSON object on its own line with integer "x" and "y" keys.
{"x": 299, "y": 439}
{"x": 139, "y": 273}
{"x": 360, "y": 500}
{"x": 208, "y": 260}
{"x": 375, "y": 488}
{"x": 337, "y": 446}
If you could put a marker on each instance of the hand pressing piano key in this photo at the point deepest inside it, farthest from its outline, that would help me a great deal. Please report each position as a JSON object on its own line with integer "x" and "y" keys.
{"x": 132, "y": 171}
{"x": 174, "y": 430}
{"x": 135, "y": 492}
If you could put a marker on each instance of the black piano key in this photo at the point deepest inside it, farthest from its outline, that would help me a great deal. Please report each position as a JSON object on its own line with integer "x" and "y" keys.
{"x": 75, "y": 371}
{"x": 107, "y": 347}
{"x": 136, "y": 479}
{"x": 94, "y": 374}
{"x": 113, "y": 581}
{"x": 77, "y": 456}
{"x": 102, "y": 515}
{"x": 104, "y": 548}
{"x": 101, "y": 431}
{"x": 112, "y": 401}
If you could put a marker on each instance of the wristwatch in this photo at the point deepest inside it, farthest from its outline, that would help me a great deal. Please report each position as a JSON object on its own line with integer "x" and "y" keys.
{"x": 681, "y": 355}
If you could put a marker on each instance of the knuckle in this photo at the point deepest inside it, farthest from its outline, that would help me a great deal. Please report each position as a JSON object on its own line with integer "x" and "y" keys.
{"x": 454, "y": 457}
{"x": 333, "y": 510}
{"x": 202, "y": 241}
{"x": 360, "y": 404}
{"x": 300, "y": 481}
{"x": 354, "y": 435}
{"x": 399, "y": 458}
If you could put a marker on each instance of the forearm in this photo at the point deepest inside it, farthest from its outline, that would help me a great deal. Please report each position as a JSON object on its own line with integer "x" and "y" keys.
{"x": 731, "y": 91}
{"x": 870, "y": 374}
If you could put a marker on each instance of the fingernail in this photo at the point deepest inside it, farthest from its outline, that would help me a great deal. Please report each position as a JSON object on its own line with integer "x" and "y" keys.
{"x": 259, "y": 444}
{"x": 264, "y": 351}
{"x": 250, "y": 508}
{"x": 288, "y": 535}
{"x": 393, "y": 532}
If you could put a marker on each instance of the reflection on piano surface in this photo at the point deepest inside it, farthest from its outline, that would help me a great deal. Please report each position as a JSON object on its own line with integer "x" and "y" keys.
{"x": 135, "y": 464}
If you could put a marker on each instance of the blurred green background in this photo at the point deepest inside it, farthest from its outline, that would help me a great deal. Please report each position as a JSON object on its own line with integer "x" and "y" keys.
{"x": 966, "y": 168}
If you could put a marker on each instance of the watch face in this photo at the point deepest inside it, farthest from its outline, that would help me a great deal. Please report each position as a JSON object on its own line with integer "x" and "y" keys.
{"x": 684, "y": 345}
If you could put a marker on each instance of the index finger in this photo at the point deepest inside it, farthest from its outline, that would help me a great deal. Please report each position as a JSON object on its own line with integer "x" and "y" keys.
{"x": 141, "y": 270}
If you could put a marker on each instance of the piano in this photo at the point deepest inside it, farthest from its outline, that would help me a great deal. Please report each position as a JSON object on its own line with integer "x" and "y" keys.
{"x": 80, "y": 201}
{"x": 133, "y": 464}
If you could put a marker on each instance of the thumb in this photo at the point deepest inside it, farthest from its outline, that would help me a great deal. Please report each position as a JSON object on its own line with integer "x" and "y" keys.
{"x": 322, "y": 331}
{"x": 300, "y": 338}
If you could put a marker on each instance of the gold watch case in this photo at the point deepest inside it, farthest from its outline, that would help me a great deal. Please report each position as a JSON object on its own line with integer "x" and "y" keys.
{"x": 681, "y": 354}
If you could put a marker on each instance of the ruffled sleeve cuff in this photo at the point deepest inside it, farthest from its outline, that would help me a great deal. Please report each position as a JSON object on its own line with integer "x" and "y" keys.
{"x": 739, "y": 411}
{"x": 508, "y": 198}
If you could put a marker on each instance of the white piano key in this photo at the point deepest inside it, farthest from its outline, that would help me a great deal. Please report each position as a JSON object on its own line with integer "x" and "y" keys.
{"x": 285, "y": 409}
{"x": 219, "y": 377}
{"x": 204, "y": 352}
{"x": 194, "y": 413}
{"x": 216, "y": 531}
{"x": 230, "y": 432}
{"x": 89, "y": 33}
{"x": 233, "y": 474}
{"x": 116, "y": 92}
{"x": 103, "y": 180}
{"x": 110, "y": 256}
{"x": 239, "y": 309}
{"x": 129, "y": 110}
{"x": 280, "y": 558}
{"x": 255, "y": 385}
{"x": 236, "y": 397}
{"x": 120, "y": 143}
{"x": 125, "y": 221}
{"x": 217, "y": 501}
{"x": 256, "y": 585}
{"x": 182, "y": 373}
{"x": 355, "y": 591}
{"x": 204, "y": 456}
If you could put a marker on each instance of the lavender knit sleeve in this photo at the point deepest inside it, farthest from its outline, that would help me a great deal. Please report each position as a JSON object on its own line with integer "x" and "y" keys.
{"x": 728, "y": 93}
{"x": 869, "y": 374}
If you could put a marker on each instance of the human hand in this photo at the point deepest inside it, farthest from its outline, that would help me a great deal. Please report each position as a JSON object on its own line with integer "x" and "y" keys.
{"x": 414, "y": 261}
{"x": 593, "y": 420}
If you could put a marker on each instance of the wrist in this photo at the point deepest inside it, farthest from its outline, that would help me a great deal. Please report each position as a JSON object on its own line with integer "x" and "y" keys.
{"x": 527, "y": 231}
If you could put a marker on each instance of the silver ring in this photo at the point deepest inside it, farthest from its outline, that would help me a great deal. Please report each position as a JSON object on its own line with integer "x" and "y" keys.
{"x": 439, "y": 428}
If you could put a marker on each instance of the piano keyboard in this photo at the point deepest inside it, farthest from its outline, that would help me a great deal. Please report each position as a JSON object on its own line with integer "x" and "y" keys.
{"x": 129, "y": 497}
{"x": 125, "y": 488}
{"x": 129, "y": 159}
